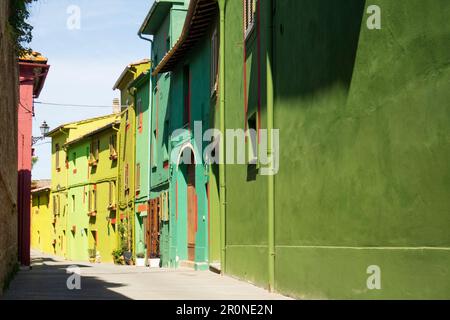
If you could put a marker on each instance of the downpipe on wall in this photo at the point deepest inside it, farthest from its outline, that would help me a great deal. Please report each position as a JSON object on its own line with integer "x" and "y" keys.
{"x": 150, "y": 110}
{"x": 222, "y": 168}
{"x": 270, "y": 125}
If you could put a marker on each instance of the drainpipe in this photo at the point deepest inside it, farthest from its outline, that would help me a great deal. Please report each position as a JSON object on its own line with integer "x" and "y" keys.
{"x": 66, "y": 192}
{"x": 222, "y": 169}
{"x": 116, "y": 195}
{"x": 270, "y": 125}
{"x": 150, "y": 110}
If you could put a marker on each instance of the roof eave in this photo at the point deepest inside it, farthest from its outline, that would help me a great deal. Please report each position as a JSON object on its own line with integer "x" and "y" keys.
{"x": 122, "y": 76}
{"x": 165, "y": 5}
{"x": 92, "y": 133}
{"x": 170, "y": 60}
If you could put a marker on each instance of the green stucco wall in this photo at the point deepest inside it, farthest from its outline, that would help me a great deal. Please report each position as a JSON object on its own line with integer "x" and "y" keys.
{"x": 364, "y": 173}
{"x": 165, "y": 37}
{"x": 202, "y": 111}
{"x": 142, "y": 153}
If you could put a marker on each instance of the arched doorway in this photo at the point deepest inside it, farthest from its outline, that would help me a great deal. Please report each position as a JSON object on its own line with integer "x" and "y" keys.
{"x": 190, "y": 203}
{"x": 191, "y": 197}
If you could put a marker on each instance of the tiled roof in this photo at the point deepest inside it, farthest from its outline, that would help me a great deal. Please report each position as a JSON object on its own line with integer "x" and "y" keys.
{"x": 34, "y": 57}
{"x": 41, "y": 185}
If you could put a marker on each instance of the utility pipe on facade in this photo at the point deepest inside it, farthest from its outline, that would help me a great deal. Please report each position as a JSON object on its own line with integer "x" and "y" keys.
{"x": 222, "y": 169}
{"x": 116, "y": 189}
{"x": 150, "y": 110}
{"x": 270, "y": 125}
{"x": 133, "y": 226}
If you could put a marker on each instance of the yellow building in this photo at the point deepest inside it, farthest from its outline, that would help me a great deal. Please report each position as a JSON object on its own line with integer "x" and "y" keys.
{"x": 72, "y": 184}
{"x": 42, "y": 219}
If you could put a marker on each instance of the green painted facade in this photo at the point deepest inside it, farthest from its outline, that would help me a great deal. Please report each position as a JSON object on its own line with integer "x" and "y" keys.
{"x": 141, "y": 92}
{"x": 126, "y": 157}
{"x": 78, "y": 188}
{"x": 59, "y": 193}
{"x": 364, "y": 173}
{"x": 164, "y": 23}
{"x": 197, "y": 89}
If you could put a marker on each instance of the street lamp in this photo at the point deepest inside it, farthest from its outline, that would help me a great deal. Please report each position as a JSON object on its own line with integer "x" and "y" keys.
{"x": 44, "y": 131}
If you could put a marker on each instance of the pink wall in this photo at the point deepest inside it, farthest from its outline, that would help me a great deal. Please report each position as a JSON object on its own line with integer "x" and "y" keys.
{"x": 25, "y": 117}
{"x": 25, "y": 112}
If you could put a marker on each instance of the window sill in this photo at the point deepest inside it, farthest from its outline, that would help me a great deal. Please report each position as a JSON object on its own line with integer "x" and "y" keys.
{"x": 92, "y": 214}
{"x": 93, "y": 163}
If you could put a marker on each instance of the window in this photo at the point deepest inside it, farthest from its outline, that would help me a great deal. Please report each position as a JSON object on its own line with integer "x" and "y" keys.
{"x": 165, "y": 140}
{"x": 90, "y": 201}
{"x": 57, "y": 149}
{"x": 140, "y": 115}
{"x": 56, "y": 205}
{"x": 74, "y": 159}
{"x": 73, "y": 204}
{"x": 187, "y": 97}
{"x": 126, "y": 178}
{"x": 112, "y": 188}
{"x": 249, "y": 16}
{"x": 93, "y": 200}
{"x": 252, "y": 140}
{"x": 154, "y": 155}
{"x": 95, "y": 147}
{"x": 214, "y": 62}
{"x": 168, "y": 46}
{"x": 94, "y": 195}
{"x": 138, "y": 178}
{"x": 113, "y": 147}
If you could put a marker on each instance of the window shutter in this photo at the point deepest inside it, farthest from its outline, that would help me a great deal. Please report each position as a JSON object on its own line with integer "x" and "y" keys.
{"x": 138, "y": 177}
{"x": 126, "y": 176}
{"x": 95, "y": 200}
{"x": 90, "y": 202}
{"x": 97, "y": 150}
{"x": 54, "y": 205}
{"x": 57, "y": 155}
{"x": 110, "y": 193}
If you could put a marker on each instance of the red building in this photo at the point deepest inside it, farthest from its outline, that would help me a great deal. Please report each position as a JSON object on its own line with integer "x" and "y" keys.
{"x": 33, "y": 69}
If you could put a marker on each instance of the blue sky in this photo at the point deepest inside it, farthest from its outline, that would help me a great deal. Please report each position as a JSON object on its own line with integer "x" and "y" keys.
{"x": 85, "y": 63}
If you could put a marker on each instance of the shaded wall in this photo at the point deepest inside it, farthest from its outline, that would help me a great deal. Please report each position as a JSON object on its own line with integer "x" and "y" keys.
{"x": 42, "y": 222}
{"x": 364, "y": 174}
{"x": 8, "y": 150}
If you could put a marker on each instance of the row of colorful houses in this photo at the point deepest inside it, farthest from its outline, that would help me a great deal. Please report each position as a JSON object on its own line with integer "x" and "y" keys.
{"x": 344, "y": 182}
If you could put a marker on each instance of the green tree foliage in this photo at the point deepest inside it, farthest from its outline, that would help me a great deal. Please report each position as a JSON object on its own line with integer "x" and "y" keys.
{"x": 20, "y": 29}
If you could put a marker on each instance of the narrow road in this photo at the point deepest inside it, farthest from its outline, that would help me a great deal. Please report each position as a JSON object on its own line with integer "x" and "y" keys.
{"x": 48, "y": 280}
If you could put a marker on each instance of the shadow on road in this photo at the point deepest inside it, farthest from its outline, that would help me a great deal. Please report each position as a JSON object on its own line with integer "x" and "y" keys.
{"x": 47, "y": 280}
